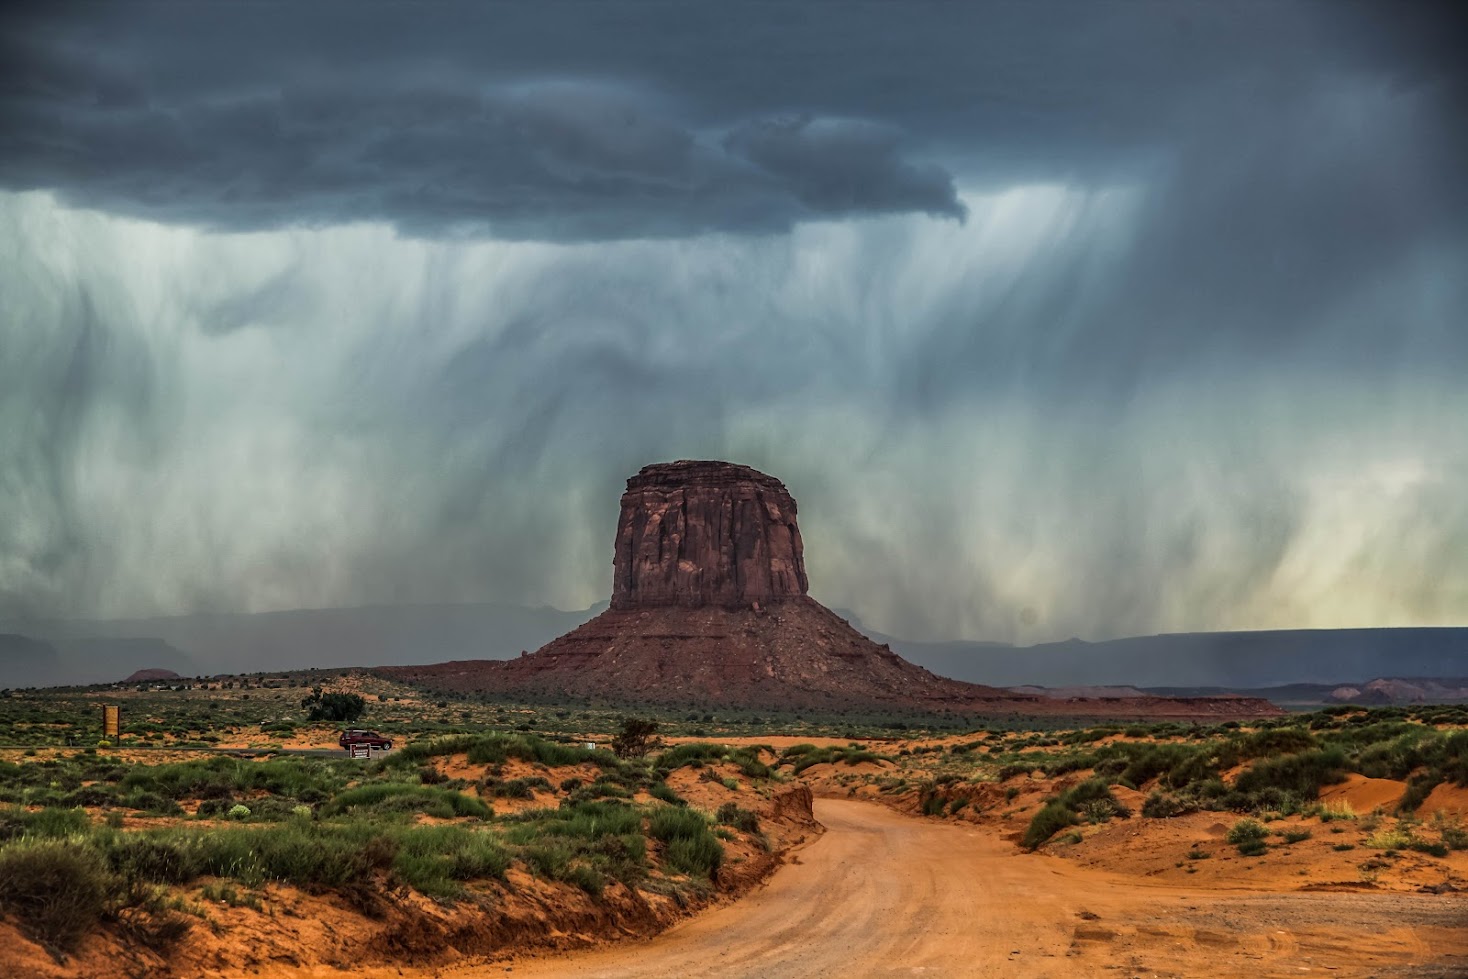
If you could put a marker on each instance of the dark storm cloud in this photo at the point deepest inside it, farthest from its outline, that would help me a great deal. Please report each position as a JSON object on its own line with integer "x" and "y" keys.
{"x": 565, "y": 122}
{"x": 546, "y": 159}
{"x": 1192, "y": 358}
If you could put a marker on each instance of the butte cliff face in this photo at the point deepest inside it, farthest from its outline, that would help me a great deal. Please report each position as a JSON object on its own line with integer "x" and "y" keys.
{"x": 696, "y": 534}
{"x": 709, "y": 608}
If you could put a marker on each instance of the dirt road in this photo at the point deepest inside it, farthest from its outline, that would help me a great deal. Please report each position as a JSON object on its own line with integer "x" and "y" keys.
{"x": 881, "y": 894}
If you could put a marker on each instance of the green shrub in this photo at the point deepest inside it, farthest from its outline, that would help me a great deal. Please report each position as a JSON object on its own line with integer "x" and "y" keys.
{"x": 434, "y": 859}
{"x": 637, "y": 737}
{"x": 671, "y": 824}
{"x": 697, "y": 856}
{"x": 1046, "y": 823}
{"x": 151, "y": 858}
{"x": 406, "y": 798}
{"x": 1248, "y": 836}
{"x": 1094, "y": 799}
{"x": 1299, "y": 775}
{"x": 731, "y": 814}
{"x": 1274, "y": 742}
{"x": 1246, "y": 830}
{"x": 55, "y": 890}
{"x": 1390, "y": 839}
{"x": 519, "y": 788}
{"x": 1161, "y": 805}
{"x": 549, "y": 859}
{"x": 690, "y": 847}
{"x": 663, "y": 791}
{"x": 1451, "y": 831}
{"x": 53, "y": 821}
{"x": 1419, "y": 787}
{"x": 1292, "y": 836}
{"x": 334, "y": 707}
{"x": 586, "y": 877}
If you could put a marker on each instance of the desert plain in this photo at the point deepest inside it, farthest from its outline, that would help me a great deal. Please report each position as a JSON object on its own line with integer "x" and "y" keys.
{"x": 223, "y": 835}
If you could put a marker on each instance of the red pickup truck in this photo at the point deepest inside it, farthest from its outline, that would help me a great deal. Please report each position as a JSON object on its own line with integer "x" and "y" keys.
{"x": 353, "y": 737}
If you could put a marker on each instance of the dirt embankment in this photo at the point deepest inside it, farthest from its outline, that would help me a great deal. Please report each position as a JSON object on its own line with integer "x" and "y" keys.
{"x": 279, "y": 930}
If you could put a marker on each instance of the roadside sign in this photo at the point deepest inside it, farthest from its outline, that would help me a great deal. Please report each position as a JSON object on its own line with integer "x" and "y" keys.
{"x": 111, "y": 722}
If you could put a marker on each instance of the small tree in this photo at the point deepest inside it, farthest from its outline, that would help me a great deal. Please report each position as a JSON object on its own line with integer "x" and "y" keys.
{"x": 342, "y": 708}
{"x": 638, "y": 737}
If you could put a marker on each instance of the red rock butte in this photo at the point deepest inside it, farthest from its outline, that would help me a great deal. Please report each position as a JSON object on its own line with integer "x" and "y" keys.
{"x": 709, "y": 608}
{"x": 695, "y": 534}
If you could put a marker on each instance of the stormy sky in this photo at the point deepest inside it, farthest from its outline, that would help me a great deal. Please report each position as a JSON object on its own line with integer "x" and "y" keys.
{"x": 1089, "y": 318}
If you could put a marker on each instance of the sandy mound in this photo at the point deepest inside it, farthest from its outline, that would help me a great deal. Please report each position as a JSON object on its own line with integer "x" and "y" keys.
{"x": 1365, "y": 794}
{"x": 1449, "y": 799}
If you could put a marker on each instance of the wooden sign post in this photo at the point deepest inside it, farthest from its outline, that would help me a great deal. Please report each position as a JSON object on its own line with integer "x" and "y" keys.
{"x": 111, "y": 722}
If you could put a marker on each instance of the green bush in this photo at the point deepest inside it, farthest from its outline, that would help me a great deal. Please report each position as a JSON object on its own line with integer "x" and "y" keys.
{"x": 1299, "y": 775}
{"x": 387, "y": 797}
{"x": 1046, "y": 823}
{"x": 689, "y": 845}
{"x": 334, "y": 707}
{"x": 151, "y": 858}
{"x": 697, "y": 856}
{"x": 55, "y": 890}
{"x": 1094, "y": 798}
{"x": 434, "y": 859}
{"x": 663, "y": 791}
{"x": 731, "y": 814}
{"x": 53, "y": 821}
{"x": 1248, "y": 835}
{"x": 1428, "y": 847}
{"x": 1245, "y": 830}
{"x": 1161, "y": 805}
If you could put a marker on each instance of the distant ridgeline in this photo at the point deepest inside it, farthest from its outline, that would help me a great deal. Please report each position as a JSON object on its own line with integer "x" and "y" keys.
{"x": 52, "y": 652}
{"x": 1187, "y": 661}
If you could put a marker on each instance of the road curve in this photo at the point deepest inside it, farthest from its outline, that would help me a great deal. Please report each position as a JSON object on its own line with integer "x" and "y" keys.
{"x": 882, "y": 894}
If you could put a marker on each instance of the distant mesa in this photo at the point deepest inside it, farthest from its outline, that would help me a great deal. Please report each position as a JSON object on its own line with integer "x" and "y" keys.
{"x": 142, "y": 676}
{"x": 1400, "y": 690}
{"x": 709, "y": 608}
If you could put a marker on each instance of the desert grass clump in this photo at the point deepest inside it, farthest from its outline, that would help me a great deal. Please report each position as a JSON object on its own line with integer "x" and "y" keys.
{"x": 1396, "y": 838}
{"x": 1163, "y": 805}
{"x": 1289, "y": 782}
{"x": 1454, "y": 836}
{"x": 56, "y": 890}
{"x": 434, "y": 860}
{"x": 404, "y": 797}
{"x": 1333, "y": 811}
{"x": 52, "y": 822}
{"x": 731, "y": 814}
{"x": 664, "y": 792}
{"x": 690, "y": 847}
{"x": 1248, "y": 835}
{"x": 1093, "y": 799}
{"x": 1046, "y": 823}
{"x": 808, "y": 756}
